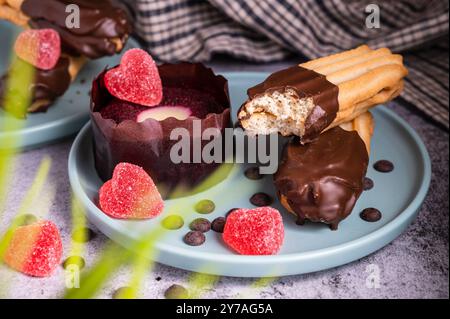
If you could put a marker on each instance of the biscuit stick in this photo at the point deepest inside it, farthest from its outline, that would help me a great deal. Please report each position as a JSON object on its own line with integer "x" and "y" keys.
{"x": 308, "y": 99}
{"x": 364, "y": 80}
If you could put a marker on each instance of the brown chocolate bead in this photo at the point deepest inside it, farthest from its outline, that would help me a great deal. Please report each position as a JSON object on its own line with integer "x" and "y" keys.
{"x": 383, "y": 166}
{"x": 370, "y": 215}
{"x": 200, "y": 224}
{"x": 218, "y": 224}
{"x": 194, "y": 238}
{"x": 261, "y": 199}
{"x": 367, "y": 184}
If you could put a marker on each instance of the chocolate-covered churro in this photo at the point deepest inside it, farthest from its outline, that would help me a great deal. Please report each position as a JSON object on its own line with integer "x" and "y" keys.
{"x": 322, "y": 180}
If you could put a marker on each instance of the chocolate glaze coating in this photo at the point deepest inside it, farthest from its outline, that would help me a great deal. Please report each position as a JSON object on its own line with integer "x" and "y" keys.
{"x": 48, "y": 85}
{"x": 322, "y": 180}
{"x": 306, "y": 83}
{"x": 148, "y": 144}
{"x": 100, "y": 22}
{"x": 52, "y": 83}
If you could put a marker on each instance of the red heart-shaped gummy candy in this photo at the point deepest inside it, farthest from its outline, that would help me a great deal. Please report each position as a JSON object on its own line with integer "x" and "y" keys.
{"x": 136, "y": 79}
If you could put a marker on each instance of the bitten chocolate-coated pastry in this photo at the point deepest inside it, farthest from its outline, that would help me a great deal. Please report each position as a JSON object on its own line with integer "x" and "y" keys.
{"x": 322, "y": 180}
{"x": 103, "y": 30}
{"x": 309, "y": 98}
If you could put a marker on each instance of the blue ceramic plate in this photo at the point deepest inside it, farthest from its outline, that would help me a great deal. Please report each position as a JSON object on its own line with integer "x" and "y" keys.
{"x": 69, "y": 113}
{"x": 308, "y": 248}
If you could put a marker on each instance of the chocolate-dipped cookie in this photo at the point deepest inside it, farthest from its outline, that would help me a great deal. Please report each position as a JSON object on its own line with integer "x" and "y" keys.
{"x": 322, "y": 180}
{"x": 120, "y": 135}
{"x": 306, "y": 99}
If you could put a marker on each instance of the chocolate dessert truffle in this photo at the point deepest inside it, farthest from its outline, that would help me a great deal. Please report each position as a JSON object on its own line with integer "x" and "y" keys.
{"x": 321, "y": 181}
{"x": 120, "y": 137}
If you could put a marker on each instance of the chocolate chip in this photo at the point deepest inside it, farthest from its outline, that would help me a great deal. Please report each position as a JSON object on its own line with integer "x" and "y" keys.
{"x": 25, "y": 219}
{"x": 123, "y": 293}
{"x": 218, "y": 224}
{"x": 383, "y": 166}
{"x": 370, "y": 215}
{"x": 158, "y": 278}
{"x": 230, "y": 211}
{"x": 261, "y": 199}
{"x": 253, "y": 173}
{"x": 300, "y": 221}
{"x": 200, "y": 224}
{"x": 83, "y": 235}
{"x": 194, "y": 238}
{"x": 176, "y": 292}
{"x": 82, "y": 81}
{"x": 172, "y": 222}
{"x": 333, "y": 226}
{"x": 74, "y": 260}
{"x": 367, "y": 184}
{"x": 205, "y": 206}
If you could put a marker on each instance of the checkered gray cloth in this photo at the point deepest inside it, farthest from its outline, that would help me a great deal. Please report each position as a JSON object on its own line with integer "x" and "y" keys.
{"x": 270, "y": 30}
